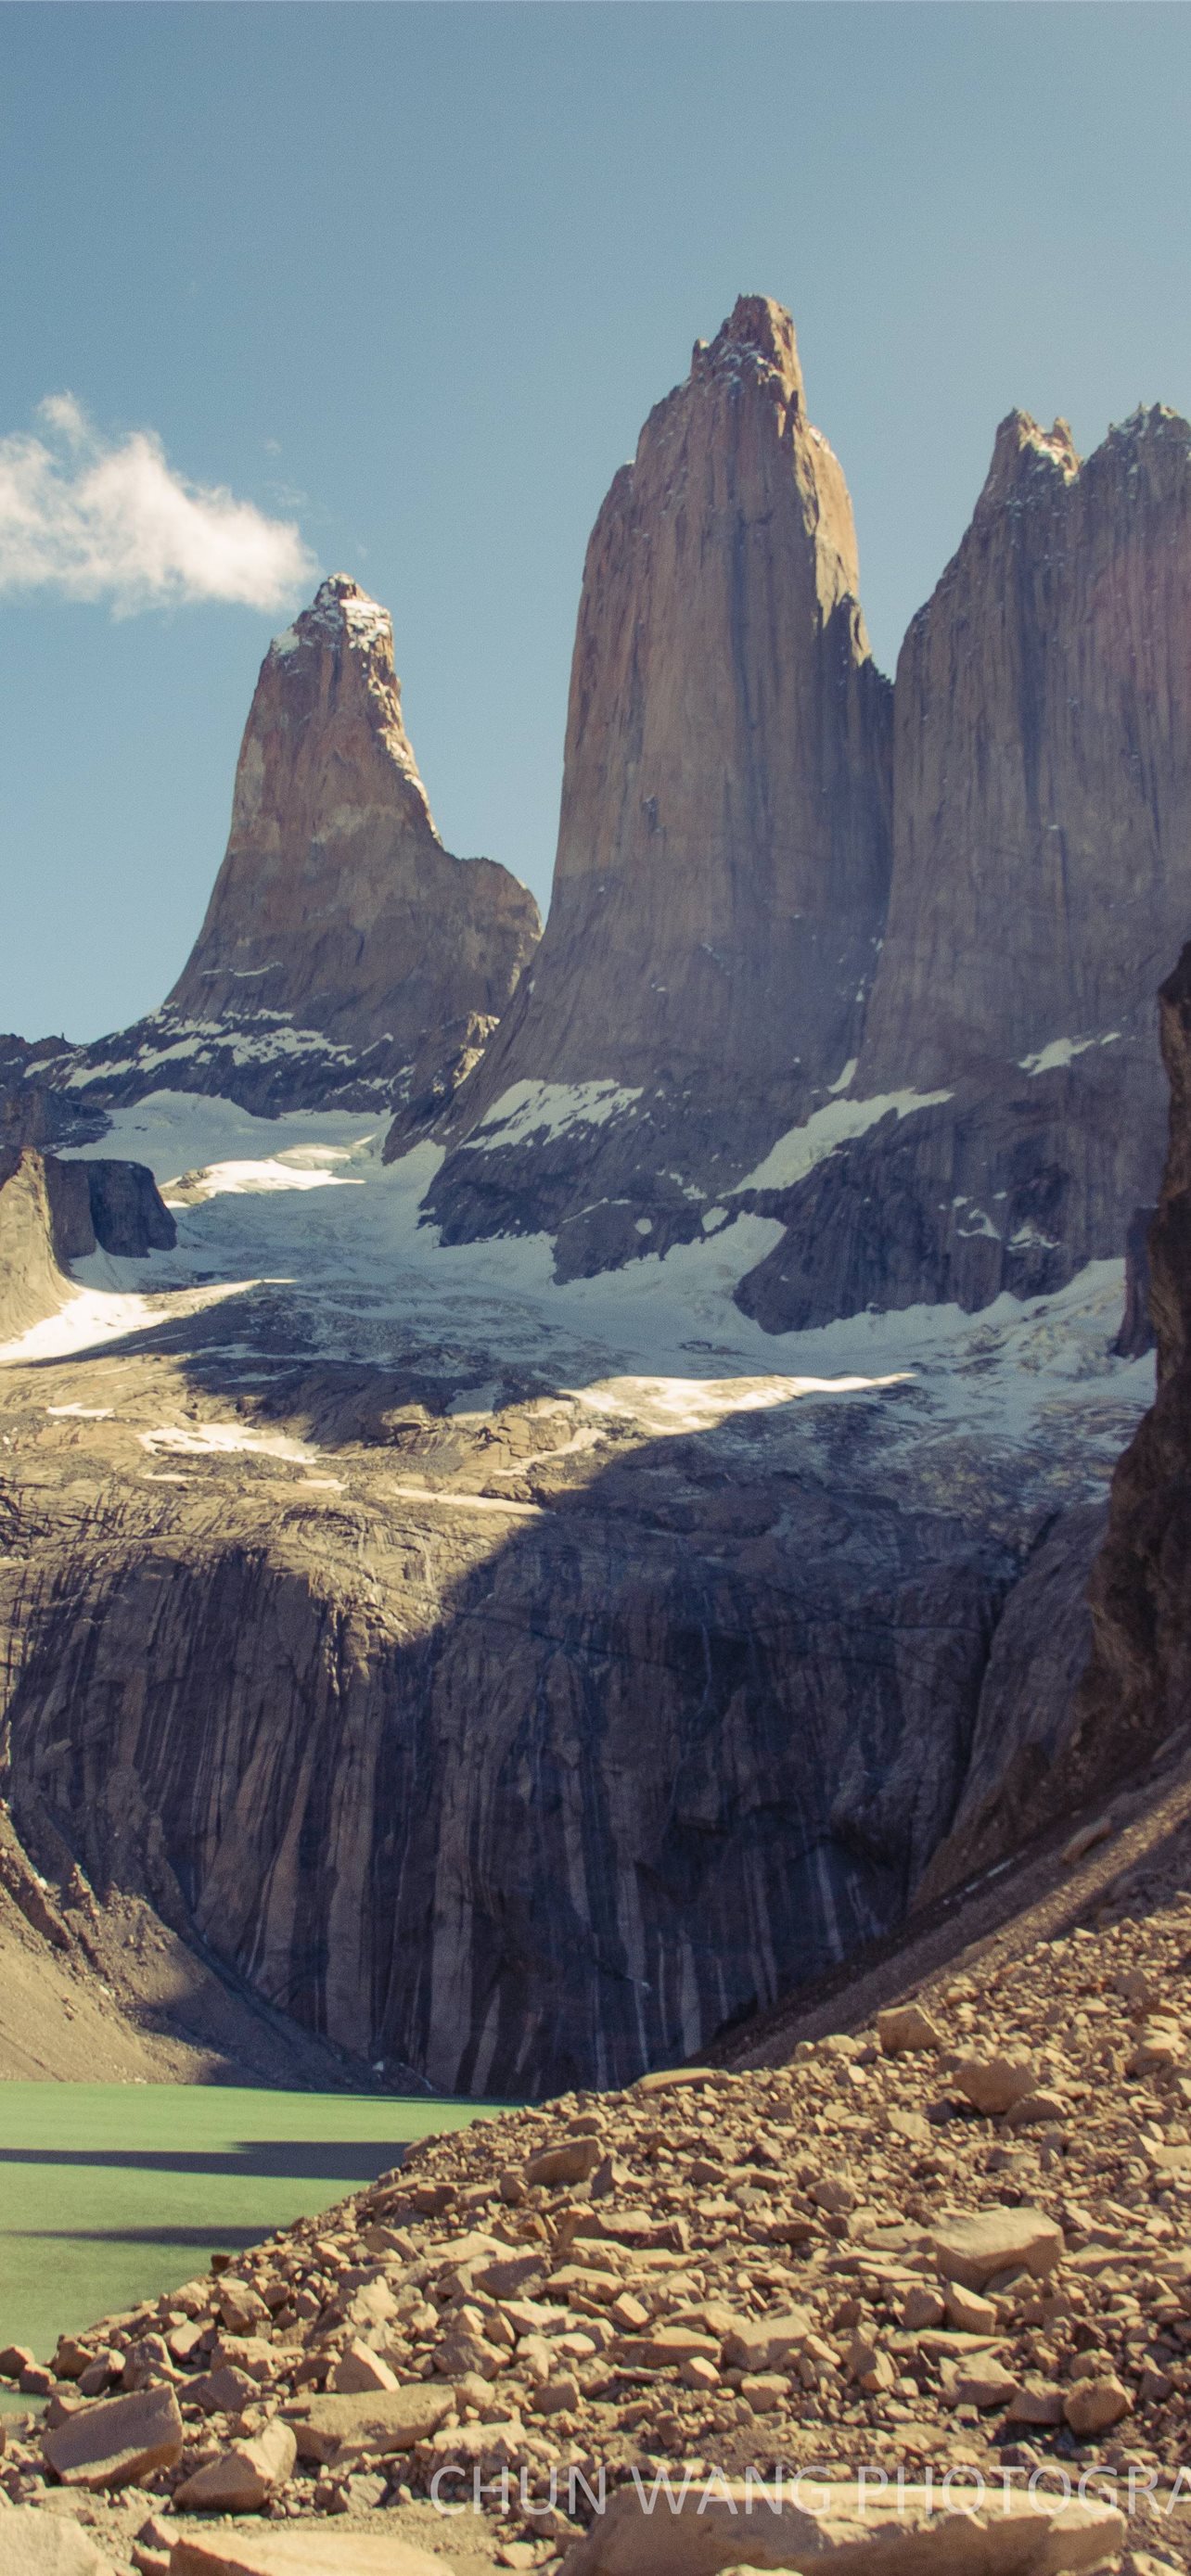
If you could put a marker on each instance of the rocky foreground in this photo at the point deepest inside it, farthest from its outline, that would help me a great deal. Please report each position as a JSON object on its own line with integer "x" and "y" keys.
{"x": 955, "y": 2239}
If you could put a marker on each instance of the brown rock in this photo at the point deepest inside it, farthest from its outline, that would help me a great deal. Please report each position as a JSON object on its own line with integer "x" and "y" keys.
{"x": 34, "y": 2543}
{"x": 1037, "y": 2402}
{"x": 222, "y": 2392}
{"x": 359, "y": 2370}
{"x": 390, "y": 2421}
{"x": 117, "y": 2440}
{"x": 558, "y": 2395}
{"x": 984, "y": 2384}
{"x": 241, "y": 2308}
{"x": 666, "y": 2346}
{"x": 336, "y": 906}
{"x": 1038, "y": 2111}
{"x": 994, "y": 2084}
{"x": 906, "y": 2026}
{"x": 1093, "y": 2404}
{"x": 243, "y": 2478}
{"x": 760, "y": 2343}
{"x": 571, "y": 2161}
{"x": 916, "y": 2533}
{"x": 971, "y": 2314}
{"x": 319, "y": 2552}
{"x": 973, "y": 2248}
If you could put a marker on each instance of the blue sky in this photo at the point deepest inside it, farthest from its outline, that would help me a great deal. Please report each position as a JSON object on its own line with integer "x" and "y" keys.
{"x": 409, "y": 277}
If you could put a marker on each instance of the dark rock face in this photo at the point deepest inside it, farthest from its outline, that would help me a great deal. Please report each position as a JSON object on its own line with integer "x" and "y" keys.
{"x": 723, "y": 855}
{"x": 1041, "y": 884}
{"x": 128, "y": 1212}
{"x": 523, "y": 1815}
{"x": 1138, "y": 1685}
{"x": 1017, "y": 1774}
{"x": 346, "y": 958}
{"x": 1008, "y": 1189}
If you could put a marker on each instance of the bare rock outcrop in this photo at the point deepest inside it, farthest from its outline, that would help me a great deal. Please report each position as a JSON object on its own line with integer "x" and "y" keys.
{"x": 1041, "y": 886}
{"x": 723, "y": 853}
{"x": 1137, "y": 1689}
{"x": 54, "y": 1211}
{"x": 346, "y": 956}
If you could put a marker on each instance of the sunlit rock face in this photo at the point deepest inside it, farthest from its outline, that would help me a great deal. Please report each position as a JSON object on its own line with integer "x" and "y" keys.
{"x": 346, "y": 956}
{"x": 723, "y": 853}
{"x": 1041, "y": 887}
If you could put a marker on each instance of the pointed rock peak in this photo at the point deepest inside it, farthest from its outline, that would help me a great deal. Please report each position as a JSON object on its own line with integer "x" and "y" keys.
{"x": 1149, "y": 424}
{"x": 340, "y": 613}
{"x": 759, "y": 328}
{"x": 1023, "y": 448}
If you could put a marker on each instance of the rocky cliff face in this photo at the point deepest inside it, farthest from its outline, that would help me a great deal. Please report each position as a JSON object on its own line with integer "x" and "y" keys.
{"x": 1138, "y": 1685}
{"x": 1041, "y": 885}
{"x": 345, "y": 955}
{"x": 524, "y": 1723}
{"x": 723, "y": 850}
{"x": 54, "y": 1211}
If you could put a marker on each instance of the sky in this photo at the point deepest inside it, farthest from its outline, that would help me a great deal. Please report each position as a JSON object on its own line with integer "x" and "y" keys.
{"x": 389, "y": 289}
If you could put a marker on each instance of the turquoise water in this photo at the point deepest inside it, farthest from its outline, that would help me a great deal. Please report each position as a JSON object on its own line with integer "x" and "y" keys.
{"x": 110, "y": 2193}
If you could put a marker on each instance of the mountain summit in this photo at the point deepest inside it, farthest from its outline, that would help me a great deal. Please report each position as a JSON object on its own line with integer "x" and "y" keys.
{"x": 723, "y": 853}
{"x": 345, "y": 953}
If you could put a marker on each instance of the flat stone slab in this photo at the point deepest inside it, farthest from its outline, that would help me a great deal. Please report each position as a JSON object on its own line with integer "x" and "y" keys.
{"x": 33, "y": 2543}
{"x": 838, "y": 2526}
{"x": 321, "y": 2552}
{"x": 382, "y": 2421}
{"x": 115, "y": 2440}
{"x": 973, "y": 2246}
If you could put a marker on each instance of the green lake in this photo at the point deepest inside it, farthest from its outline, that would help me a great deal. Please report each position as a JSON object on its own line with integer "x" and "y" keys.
{"x": 110, "y": 2193}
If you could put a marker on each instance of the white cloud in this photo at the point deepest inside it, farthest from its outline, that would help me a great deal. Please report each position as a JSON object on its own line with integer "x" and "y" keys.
{"x": 100, "y": 519}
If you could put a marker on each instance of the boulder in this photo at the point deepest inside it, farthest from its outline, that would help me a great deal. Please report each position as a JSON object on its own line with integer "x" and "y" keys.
{"x": 821, "y": 2525}
{"x": 323, "y": 2551}
{"x": 971, "y": 2247}
{"x": 243, "y": 2477}
{"x": 994, "y": 2084}
{"x": 906, "y": 2026}
{"x": 1095, "y": 2404}
{"x": 359, "y": 2369}
{"x": 116, "y": 2441}
{"x": 35, "y": 2543}
{"x": 392, "y": 2420}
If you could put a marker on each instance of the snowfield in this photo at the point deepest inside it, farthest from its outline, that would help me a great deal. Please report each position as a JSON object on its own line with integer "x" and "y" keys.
{"x": 304, "y": 1207}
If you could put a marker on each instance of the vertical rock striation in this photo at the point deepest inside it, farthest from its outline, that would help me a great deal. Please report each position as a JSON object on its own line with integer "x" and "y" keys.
{"x": 723, "y": 848}
{"x": 344, "y": 953}
{"x": 1041, "y": 887}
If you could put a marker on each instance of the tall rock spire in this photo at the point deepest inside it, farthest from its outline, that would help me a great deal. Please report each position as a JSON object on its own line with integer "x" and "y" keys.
{"x": 1041, "y": 889}
{"x": 723, "y": 848}
{"x": 337, "y": 906}
{"x": 1042, "y": 809}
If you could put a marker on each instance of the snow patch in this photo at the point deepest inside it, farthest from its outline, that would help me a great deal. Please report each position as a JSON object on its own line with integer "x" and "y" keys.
{"x": 801, "y": 1148}
{"x": 844, "y": 1081}
{"x": 196, "y": 1439}
{"x": 540, "y": 1109}
{"x": 1062, "y": 1051}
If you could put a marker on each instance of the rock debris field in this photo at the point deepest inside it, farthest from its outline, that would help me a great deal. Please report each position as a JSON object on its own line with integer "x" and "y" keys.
{"x": 954, "y": 2244}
